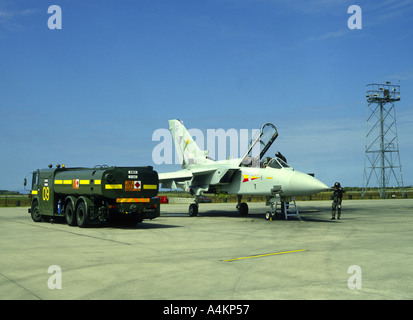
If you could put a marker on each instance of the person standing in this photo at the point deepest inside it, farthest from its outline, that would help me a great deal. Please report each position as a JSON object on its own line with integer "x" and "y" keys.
{"x": 337, "y": 199}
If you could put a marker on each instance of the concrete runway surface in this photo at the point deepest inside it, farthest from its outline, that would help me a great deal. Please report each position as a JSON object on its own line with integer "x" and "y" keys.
{"x": 217, "y": 255}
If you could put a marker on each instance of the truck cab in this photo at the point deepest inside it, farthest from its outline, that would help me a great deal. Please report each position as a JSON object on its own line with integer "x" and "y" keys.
{"x": 42, "y": 199}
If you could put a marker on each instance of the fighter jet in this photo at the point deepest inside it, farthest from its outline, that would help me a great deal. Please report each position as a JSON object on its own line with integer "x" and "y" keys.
{"x": 250, "y": 175}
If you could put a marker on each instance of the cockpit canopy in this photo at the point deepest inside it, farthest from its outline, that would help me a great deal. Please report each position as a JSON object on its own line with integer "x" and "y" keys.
{"x": 262, "y": 142}
{"x": 264, "y": 139}
{"x": 275, "y": 163}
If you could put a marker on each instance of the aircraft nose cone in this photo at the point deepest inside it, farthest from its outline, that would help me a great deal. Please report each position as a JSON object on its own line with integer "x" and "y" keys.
{"x": 304, "y": 184}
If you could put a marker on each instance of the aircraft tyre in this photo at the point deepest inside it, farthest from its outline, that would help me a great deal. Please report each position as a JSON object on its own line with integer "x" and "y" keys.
{"x": 243, "y": 209}
{"x": 193, "y": 210}
{"x": 268, "y": 215}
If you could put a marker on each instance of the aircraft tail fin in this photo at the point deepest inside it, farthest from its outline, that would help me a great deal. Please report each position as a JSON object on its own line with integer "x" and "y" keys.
{"x": 186, "y": 148}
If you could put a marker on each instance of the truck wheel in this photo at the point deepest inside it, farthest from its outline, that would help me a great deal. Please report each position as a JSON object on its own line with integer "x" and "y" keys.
{"x": 82, "y": 215}
{"x": 35, "y": 213}
{"x": 70, "y": 214}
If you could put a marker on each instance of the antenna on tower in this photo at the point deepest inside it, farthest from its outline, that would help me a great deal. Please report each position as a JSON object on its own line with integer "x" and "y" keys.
{"x": 382, "y": 159}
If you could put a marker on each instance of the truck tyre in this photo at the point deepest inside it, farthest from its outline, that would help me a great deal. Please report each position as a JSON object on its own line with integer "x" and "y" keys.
{"x": 82, "y": 215}
{"x": 35, "y": 212}
{"x": 70, "y": 214}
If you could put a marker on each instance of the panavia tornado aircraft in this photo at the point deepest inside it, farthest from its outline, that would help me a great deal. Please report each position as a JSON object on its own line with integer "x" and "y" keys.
{"x": 248, "y": 175}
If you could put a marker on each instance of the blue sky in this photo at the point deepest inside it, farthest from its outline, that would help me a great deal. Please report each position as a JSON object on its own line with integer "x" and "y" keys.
{"x": 95, "y": 91}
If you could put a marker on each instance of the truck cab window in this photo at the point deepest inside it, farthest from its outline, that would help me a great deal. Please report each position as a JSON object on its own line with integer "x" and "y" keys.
{"x": 35, "y": 180}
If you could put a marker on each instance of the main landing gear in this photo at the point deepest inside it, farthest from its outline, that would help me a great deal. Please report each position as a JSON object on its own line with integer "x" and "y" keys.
{"x": 242, "y": 207}
{"x": 193, "y": 209}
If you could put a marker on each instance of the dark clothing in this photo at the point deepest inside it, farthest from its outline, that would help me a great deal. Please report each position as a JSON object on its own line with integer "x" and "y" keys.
{"x": 337, "y": 198}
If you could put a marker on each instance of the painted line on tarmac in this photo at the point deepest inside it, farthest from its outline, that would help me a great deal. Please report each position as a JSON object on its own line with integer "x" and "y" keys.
{"x": 264, "y": 255}
{"x": 18, "y": 284}
{"x": 46, "y": 226}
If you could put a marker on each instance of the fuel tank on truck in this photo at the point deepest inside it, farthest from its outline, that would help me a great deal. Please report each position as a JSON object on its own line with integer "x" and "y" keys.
{"x": 108, "y": 182}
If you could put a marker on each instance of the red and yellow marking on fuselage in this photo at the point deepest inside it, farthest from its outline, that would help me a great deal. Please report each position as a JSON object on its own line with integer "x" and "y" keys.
{"x": 249, "y": 178}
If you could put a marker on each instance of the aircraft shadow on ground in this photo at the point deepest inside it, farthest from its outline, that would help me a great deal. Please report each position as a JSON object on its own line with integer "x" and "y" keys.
{"x": 313, "y": 215}
{"x": 309, "y": 215}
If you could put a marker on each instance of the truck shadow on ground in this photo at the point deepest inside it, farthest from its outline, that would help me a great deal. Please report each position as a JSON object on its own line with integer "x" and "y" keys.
{"x": 117, "y": 224}
{"x": 145, "y": 225}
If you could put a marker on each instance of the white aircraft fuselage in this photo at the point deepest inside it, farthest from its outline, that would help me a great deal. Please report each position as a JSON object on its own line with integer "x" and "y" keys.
{"x": 274, "y": 179}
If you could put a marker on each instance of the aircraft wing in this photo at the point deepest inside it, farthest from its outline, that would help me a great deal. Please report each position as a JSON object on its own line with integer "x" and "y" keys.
{"x": 208, "y": 175}
{"x": 177, "y": 175}
{"x": 171, "y": 179}
{"x": 186, "y": 174}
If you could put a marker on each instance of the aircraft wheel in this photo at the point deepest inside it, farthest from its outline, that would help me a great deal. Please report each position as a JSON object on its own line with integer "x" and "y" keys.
{"x": 193, "y": 210}
{"x": 243, "y": 209}
{"x": 268, "y": 215}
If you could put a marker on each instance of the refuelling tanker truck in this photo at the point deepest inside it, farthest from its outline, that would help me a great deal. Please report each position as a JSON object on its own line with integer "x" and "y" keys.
{"x": 85, "y": 196}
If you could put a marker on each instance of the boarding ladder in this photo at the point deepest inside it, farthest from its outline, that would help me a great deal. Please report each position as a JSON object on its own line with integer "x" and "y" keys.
{"x": 290, "y": 209}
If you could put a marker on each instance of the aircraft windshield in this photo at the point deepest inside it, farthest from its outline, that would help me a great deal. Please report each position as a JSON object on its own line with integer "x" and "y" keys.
{"x": 277, "y": 163}
{"x": 283, "y": 163}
